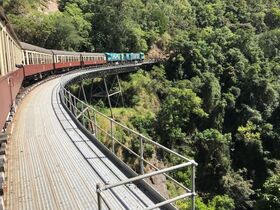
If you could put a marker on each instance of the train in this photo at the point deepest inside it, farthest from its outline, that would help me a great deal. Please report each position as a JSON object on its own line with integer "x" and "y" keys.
{"x": 20, "y": 61}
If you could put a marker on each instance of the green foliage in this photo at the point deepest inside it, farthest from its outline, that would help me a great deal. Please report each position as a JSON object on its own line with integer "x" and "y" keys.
{"x": 219, "y": 202}
{"x": 222, "y": 203}
{"x": 177, "y": 116}
{"x": 270, "y": 198}
{"x": 248, "y": 150}
{"x": 217, "y": 97}
{"x": 238, "y": 189}
{"x": 272, "y": 18}
{"x": 214, "y": 159}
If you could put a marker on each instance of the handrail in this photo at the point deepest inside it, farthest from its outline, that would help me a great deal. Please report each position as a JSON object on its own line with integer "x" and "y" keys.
{"x": 100, "y": 189}
{"x": 137, "y": 178}
{"x": 129, "y": 129}
{"x": 80, "y": 108}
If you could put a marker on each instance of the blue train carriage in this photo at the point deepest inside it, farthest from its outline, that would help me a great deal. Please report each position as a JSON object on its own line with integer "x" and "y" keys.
{"x": 124, "y": 57}
{"x": 137, "y": 57}
{"x": 142, "y": 56}
{"x": 113, "y": 57}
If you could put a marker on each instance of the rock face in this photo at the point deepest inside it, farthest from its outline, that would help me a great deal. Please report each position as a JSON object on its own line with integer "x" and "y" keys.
{"x": 159, "y": 183}
{"x": 51, "y": 6}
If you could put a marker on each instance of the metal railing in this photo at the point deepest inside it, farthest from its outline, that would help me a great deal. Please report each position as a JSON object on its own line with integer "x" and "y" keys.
{"x": 91, "y": 119}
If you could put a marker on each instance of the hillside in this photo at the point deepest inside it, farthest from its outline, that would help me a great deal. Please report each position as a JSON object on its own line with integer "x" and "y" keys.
{"x": 216, "y": 97}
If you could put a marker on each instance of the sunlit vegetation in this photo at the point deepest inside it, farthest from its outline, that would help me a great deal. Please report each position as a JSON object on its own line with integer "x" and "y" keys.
{"x": 216, "y": 99}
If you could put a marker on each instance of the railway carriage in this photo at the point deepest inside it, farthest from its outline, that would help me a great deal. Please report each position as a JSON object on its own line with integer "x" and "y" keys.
{"x": 89, "y": 59}
{"x": 11, "y": 75}
{"x": 124, "y": 57}
{"x": 36, "y": 60}
{"x": 66, "y": 59}
{"x": 113, "y": 57}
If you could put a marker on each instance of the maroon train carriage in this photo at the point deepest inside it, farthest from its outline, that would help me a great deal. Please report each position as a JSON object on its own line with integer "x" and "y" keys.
{"x": 37, "y": 60}
{"x": 66, "y": 59}
{"x": 89, "y": 59}
{"x": 11, "y": 77}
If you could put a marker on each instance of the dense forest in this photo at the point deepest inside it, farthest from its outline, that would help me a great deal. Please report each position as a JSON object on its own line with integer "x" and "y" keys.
{"x": 215, "y": 99}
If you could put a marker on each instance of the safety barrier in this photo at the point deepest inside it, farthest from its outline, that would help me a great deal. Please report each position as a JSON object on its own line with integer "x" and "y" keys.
{"x": 90, "y": 118}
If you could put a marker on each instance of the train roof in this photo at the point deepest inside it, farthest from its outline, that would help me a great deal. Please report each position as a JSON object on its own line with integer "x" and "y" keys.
{"x": 92, "y": 54}
{"x": 31, "y": 47}
{"x": 61, "y": 52}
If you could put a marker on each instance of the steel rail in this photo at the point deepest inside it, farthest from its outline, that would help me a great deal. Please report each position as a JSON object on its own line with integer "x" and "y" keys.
{"x": 132, "y": 131}
{"x": 121, "y": 144}
{"x": 141, "y": 177}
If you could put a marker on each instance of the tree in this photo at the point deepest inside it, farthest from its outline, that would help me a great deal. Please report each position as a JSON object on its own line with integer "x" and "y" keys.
{"x": 272, "y": 18}
{"x": 224, "y": 202}
{"x": 178, "y": 115}
{"x": 248, "y": 151}
{"x": 238, "y": 188}
{"x": 270, "y": 198}
{"x": 212, "y": 154}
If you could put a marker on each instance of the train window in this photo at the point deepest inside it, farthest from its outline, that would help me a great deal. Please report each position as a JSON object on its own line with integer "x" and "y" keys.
{"x": 11, "y": 54}
{"x": 38, "y": 58}
{"x": 35, "y": 58}
{"x": 29, "y": 58}
{"x": 25, "y": 58}
{"x": 1, "y": 54}
{"x": 4, "y": 54}
{"x": 37, "y": 61}
{"x": 7, "y": 53}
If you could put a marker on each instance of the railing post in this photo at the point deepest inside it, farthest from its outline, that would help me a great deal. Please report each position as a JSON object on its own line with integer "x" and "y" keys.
{"x": 112, "y": 137}
{"x": 70, "y": 102}
{"x": 193, "y": 186}
{"x": 83, "y": 117}
{"x": 141, "y": 155}
{"x": 63, "y": 96}
{"x": 95, "y": 125}
{"x": 98, "y": 197}
{"x": 75, "y": 106}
